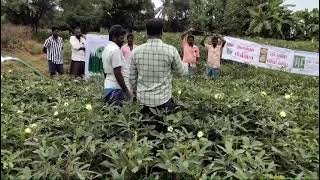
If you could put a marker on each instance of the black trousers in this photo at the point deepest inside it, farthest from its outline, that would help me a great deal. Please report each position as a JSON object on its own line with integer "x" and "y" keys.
{"x": 54, "y": 68}
{"x": 77, "y": 68}
{"x": 156, "y": 119}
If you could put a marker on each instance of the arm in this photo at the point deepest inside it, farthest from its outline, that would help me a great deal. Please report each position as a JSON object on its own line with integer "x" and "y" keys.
{"x": 118, "y": 75}
{"x": 222, "y": 39}
{"x": 45, "y": 46}
{"x": 44, "y": 50}
{"x": 203, "y": 40}
{"x": 198, "y": 55}
{"x": 133, "y": 75}
{"x": 74, "y": 44}
{"x": 116, "y": 63}
{"x": 177, "y": 65}
{"x": 186, "y": 32}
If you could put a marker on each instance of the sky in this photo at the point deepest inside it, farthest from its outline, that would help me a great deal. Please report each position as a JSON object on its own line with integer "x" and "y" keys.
{"x": 300, "y": 4}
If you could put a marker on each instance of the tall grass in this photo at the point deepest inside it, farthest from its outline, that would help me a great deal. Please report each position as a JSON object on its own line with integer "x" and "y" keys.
{"x": 15, "y": 37}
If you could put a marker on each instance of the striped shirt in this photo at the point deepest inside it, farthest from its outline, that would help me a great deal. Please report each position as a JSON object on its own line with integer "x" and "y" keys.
{"x": 54, "y": 49}
{"x": 151, "y": 70}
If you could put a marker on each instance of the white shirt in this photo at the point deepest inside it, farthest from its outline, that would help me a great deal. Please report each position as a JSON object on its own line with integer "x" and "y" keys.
{"x": 112, "y": 57}
{"x": 77, "y": 55}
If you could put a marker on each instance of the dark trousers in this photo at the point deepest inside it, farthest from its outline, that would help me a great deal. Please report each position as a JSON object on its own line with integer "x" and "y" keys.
{"x": 77, "y": 68}
{"x": 54, "y": 68}
{"x": 157, "y": 119}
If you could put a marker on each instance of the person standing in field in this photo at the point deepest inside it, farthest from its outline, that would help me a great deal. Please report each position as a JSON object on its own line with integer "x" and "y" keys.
{"x": 151, "y": 70}
{"x": 214, "y": 54}
{"x": 53, "y": 48}
{"x": 78, "y": 53}
{"x": 191, "y": 53}
{"x": 116, "y": 82}
{"x": 128, "y": 48}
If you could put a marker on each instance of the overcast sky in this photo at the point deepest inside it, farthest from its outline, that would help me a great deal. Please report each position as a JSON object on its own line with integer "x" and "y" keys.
{"x": 300, "y": 4}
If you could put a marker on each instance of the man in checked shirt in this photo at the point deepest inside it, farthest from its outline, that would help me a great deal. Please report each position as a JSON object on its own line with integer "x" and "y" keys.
{"x": 151, "y": 70}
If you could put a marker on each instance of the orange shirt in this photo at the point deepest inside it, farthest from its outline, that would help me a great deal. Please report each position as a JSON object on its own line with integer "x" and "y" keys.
{"x": 214, "y": 55}
{"x": 190, "y": 53}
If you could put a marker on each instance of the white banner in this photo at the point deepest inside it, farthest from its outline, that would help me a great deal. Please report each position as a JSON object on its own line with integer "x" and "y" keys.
{"x": 275, "y": 58}
{"x": 95, "y": 45}
{"x": 305, "y": 63}
{"x": 271, "y": 57}
{"x": 241, "y": 51}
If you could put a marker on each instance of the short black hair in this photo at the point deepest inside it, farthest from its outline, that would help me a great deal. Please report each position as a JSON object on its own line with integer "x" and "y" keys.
{"x": 154, "y": 27}
{"x": 130, "y": 35}
{"x": 214, "y": 38}
{"x": 53, "y": 28}
{"x": 116, "y": 31}
{"x": 191, "y": 36}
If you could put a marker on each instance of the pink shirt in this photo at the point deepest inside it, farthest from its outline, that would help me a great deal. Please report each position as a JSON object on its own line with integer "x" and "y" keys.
{"x": 214, "y": 55}
{"x": 126, "y": 51}
{"x": 190, "y": 53}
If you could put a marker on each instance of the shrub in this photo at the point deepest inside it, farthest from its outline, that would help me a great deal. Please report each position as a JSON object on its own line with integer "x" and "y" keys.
{"x": 14, "y": 37}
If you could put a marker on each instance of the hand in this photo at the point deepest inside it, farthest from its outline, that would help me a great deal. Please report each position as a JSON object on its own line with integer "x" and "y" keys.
{"x": 128, "y": 95}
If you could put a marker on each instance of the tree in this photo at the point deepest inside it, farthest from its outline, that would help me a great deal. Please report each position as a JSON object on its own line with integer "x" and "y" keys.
{"x": 271, "y": 19}
{"x": 130, "y": 14}
{"x": 307, "y": 24}
{"x": 223, "y": 16}
{"x": 28, "y": 12}
{"x": 175, "y": 13}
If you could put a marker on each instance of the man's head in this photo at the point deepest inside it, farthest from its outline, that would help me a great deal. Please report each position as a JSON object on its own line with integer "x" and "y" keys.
{"x": 190, "y": 40}
{"x": 77, "y": 32}
{"x": 116, "y": 34}
{"x": 154, "y": 27}
{"x": 214, "y": 40}
{"x": 130, "y": 38}
{"x": 55, "y": 31}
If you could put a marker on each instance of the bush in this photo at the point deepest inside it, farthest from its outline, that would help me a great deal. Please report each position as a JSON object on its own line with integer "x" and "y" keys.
{"x": 43, "y": 34}
{"x": 36, "y": 49}
{"x": 14, "y": 37}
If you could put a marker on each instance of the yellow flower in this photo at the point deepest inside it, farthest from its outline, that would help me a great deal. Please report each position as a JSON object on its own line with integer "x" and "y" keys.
{"x": 1, "y": 104}
{"x": 88, "y": 107}
{"x": 19, "y": 112}
{"x": 200, "y": 134}
{"x": 10, "y": 71}
{"x": 54, "y": 107}
{"x": 282, "y": 114}
{"x": 34, "y": 125}
{"x": 66, "y": 104}
{"x": 263, "y": 93}
{"x": 287, "y": 96}
{"x": 27, "y": 130}
{"x": 56, "y": 113}
{"x": 170, "y": 129}
{"x": 179, "y": 92}
{"x": 59, "y": 84}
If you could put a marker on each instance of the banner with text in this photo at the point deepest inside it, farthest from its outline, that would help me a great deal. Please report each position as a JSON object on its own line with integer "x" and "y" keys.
{"x": 95, "y": 45}
{"x": 271, "y": 57}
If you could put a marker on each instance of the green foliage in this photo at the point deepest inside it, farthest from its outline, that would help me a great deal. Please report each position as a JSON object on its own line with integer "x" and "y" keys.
{"x": 27, "y": 12}
{"x": 36, "y": 49}
{"x": 307, "y": 24}
{"x": 231, "y": 128}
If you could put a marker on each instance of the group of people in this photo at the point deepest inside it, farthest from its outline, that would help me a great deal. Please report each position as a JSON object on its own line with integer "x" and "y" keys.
{"x": 142, "y": 73}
